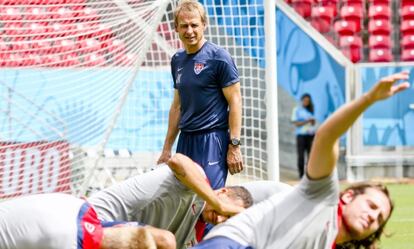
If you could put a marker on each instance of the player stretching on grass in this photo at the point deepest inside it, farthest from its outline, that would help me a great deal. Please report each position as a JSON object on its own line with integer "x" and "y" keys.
{"x": 61, "y": 221}
{"x": 175, "y": 198}
{"x": 313, "y": 214}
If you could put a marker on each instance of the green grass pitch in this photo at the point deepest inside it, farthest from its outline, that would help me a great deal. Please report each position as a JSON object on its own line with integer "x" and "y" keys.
{"x": 401, "y": 224}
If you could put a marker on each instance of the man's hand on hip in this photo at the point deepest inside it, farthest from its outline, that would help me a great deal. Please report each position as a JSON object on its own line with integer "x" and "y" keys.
{"x": 234, "y": 159}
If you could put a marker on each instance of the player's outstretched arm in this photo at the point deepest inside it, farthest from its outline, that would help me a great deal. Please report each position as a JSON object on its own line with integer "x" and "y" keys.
{"x": 324, "y": 153}
{"x": 193, "y": 177}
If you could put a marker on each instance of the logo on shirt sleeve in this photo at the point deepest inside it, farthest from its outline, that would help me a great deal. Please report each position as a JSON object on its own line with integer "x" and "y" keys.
{"x": 198, "y": 67}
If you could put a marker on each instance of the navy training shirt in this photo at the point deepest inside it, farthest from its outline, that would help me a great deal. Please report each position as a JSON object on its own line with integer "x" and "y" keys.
{"x": 199, "y": 79}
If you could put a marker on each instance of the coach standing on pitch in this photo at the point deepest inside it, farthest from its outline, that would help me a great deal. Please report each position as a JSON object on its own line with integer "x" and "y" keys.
{"x": 207, "y": 101}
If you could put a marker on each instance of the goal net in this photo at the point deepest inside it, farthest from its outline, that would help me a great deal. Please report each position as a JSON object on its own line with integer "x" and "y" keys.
{"x": 86, "y": 89}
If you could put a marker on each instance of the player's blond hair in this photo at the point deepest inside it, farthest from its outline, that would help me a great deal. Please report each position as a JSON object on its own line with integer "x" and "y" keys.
{"x": 190, "y": 6}
{"x": 127, "y": 238}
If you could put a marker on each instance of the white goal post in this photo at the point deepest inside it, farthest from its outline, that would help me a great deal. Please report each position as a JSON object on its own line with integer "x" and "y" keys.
{"x": 86, "y": 89}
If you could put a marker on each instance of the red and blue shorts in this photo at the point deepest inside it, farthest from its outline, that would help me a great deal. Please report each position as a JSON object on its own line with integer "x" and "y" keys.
{"x": 90, "y": 231}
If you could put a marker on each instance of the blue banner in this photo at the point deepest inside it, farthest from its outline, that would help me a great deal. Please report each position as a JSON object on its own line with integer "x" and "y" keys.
{"x": 79, "y": 106}
{"x": 304, "y": 67}
{"x": 389, "y": 122}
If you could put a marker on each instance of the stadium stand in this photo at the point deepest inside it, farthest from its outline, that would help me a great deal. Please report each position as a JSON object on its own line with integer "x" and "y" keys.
{"x": 59, "y": 33}
{"x": 84, "y": 40}
{"x": 380, "y": 25}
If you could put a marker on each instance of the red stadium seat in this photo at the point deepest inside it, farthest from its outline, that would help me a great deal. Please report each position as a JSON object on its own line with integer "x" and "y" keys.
{"x": 30, "y": 59}
{"x": 379, "y": 41}
{"x": 303, "y": 7}
{"x": 351, "y": 46}
{"x": 321, "y": 25}
{"x": 61, "y": 14}
{"x": 84, "y": 29}
{"x": 64, "y": 45}
{"x": 89, "y": 45}
{"x": 343, "y": 27}
{"x": 323, "y": 12}
{"x": 322, "y": 18}
{"x": 94, "y": 59}
{"x": 79, "y": 2}
{"x": 10, "y": 13}
{"x": 379, "y": 11}
{"x": 59, "y": 29}
{"x": 406, "y": 2}
{"x": 407, "y": 12}
{"x": 36, "y": 29}
{"x": 127, "y": 59}
{"x": 350, "y": 41}
{"x": 407, "y": 41}
{"x": 115, "y": 46}
{"x": 41, "y": 46}
{"x": 88, "y": 15}
{"x": 36, "y": 13}
{"x": 13, "y": 60}
{"x": 379, "y": 27}
{"x": 333, "y": 4}
{"x": 51, "y": 60}
{"x": 103, "y": 32}
{"x": 4, "y": 46}
{"x": 380, "y": 55}
{"x": 354, "y": 54}
{"x": 166, "y": 31}
{"x": 20, "y": 45}
{"x": 352, "y": 13}
{"x": 355, "y": 3}
{"x": 69, "y": 59}
{"x": 407, "y": 54}
{"x": 407, "y": 27}
{"x": 379, "y": 2}
{"x": 13, "y": 29}
{"x": 323, "y": 2}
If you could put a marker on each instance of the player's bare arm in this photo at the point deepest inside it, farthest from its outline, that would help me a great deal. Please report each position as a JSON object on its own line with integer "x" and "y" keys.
{"x": 324, "y": 152}
{"x": 233, "y": 96}
{"x": 173, "y": 122}
{"x": 193, "y": 177}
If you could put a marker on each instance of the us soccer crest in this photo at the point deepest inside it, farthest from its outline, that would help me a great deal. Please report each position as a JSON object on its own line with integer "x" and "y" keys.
{"x": 198, "y": 67}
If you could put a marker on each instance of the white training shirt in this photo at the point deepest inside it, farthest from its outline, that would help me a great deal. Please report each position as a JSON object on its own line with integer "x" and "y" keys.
{"x": 262, "y": 190}
{"x": 303, "y": 218}
{"x": 156, "y": 198}
{"x": 46, "y": 221}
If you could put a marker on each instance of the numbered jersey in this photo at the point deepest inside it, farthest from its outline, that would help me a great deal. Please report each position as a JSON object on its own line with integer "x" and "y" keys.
{"x": 48, "y": 221}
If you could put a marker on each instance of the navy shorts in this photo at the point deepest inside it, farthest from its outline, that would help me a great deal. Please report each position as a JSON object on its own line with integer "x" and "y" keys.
{"x": 220, "y": 243}
{"x": 209, "y": 150}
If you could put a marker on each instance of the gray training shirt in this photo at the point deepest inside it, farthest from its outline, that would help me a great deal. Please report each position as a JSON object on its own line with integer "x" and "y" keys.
{"x": 261, "y": 190}
{"x": 155, "y": 198}
{"x": 303, "y": 218}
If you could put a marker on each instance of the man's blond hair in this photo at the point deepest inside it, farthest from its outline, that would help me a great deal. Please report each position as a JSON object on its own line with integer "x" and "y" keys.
{"x": 190, "y": 6}
{"x": 127, "y": 238}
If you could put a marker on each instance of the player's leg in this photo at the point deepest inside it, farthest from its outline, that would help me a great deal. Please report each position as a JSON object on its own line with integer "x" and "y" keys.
{"x": 164, "y": 239}
{"x": 127, "y": 238}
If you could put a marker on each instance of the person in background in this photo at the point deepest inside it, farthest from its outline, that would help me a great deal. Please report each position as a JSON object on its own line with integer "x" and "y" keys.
{"x": 304, "y": 121}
